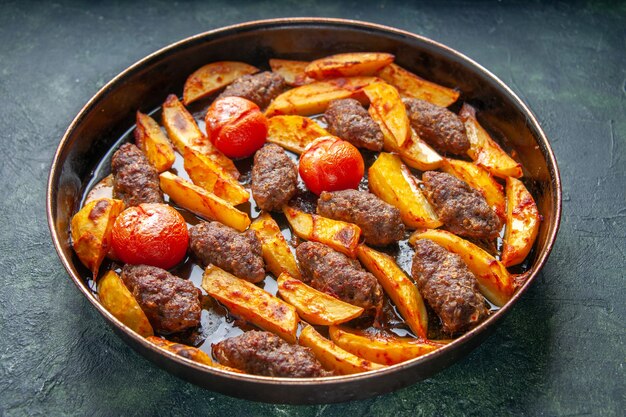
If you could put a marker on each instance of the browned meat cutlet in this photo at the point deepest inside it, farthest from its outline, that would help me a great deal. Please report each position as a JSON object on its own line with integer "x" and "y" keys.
{"x": 347, "y": 119}
{"x": 437, "y": 126}
{"x": 237, "y": 253}
{"x": 335, "y": 274}
{"x": 172, "y": 304}
{"x": 462, "y": 209}
{"x": 135, "y": 181}
{"x": 448, "y": 286}
{"x": 259, "y": 88}
{"x": 274, "y": 178}
{"x": 264, "y": 353}
{"x": 380, "y": 222}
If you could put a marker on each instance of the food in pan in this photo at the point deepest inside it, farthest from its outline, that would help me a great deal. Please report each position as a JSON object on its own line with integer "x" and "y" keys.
{"x": 276, "y": 240}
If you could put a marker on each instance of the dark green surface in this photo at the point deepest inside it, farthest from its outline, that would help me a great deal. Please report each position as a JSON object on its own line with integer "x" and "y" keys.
{"x": 560, "y": 351}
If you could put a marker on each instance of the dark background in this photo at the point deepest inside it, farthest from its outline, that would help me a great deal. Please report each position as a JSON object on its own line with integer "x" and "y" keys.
{"x": 559, "y": 352}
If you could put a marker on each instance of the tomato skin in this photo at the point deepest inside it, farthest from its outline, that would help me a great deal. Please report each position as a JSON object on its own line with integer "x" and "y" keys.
{"x": 236, "y": 126}
{"x": 331, "y": 164}
{"x": 150, "y": 234}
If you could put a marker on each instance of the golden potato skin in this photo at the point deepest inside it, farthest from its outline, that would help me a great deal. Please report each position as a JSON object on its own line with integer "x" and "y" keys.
{"x": 153, "y": 143}
{"x": 382, "y": 350}
{"x": 332, "y": 357}
{"x": 348, "y": 65}
{"x": 276, "y": 252}
{"x": 522, "y": 223}
{"x": 91, "y": 231}
{"x": 410, "y": 85}
{"x": 120, "y": 302}
{"x": 484, "y": 150}
{"x": 315, "y": 306}
{"x": 211, "y": 77}
{"x": 392, "y": 182}
{"x": 203, "y": 203}
{"x": 341, "y": 236}
{"x": 249, "y": 302}
{"x": 293, "y": 132}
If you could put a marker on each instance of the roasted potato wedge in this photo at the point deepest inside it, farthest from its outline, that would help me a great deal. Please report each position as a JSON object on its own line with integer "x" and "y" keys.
{"x": 314, "y": 98}
{"x": 276, "y": 253}
{"x": 522, "y": 223}
{"x": 91, "y": 231}
{"x": 480, "y": 179}
{"x": 410, "y": 85}
{"x": 189, "y": 352}
{"x": 211, "y": 176}
{"x": 152, "y": 141}
{"x": 387, "y": 108}
{"x": 202, "y": 202}
{"x": 494, "y": 280}
{"x": 348, "y": 65}
{"x": 332, "y": 357}
{"x": 184, "y": 132}
{"x": 211, "y": 77}
{"x": 414, "y": 152}
{"x": 294, "y": 132}
{"x": 392, "y": 182}
{"x": 291, "y": 71}
{"x": 118, "y": 299}
{"x": 251, "y": 303}
{"x": 484, "y": 150}
{"x": 315, "y": 306}
{"x": 398, "y": 287}
{"x": 382, "y": 350}
{"x": 341, "y": 236}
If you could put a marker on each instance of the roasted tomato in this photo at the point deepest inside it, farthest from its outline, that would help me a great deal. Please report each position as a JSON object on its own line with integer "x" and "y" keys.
{"x": 150, "y": 234}
{"x": 236, "y": 126}
{"x": 331, "y": 164}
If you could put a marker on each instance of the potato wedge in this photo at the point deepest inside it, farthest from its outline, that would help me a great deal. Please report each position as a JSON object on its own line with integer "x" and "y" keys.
{"x": 414, "y": 152}
{"x": 91, "y": 231}
{"x": 276, "y": 253}
{"x": 494, "y": 280}
{"x": 184, "y": 132}
{"x": 522, "y": 223}
{"x": 392, "y": 182}
{"x": 480, "y": 179}
{"x": 201, "y": 202}
{"x": 189, "y": 352}
{"x": 341, "y": 236}
{"x": 291, "y": 71}
{"x": 398, "y": 287}
{"x": 251, "y": 303}
{"x": 332, "y": 357}
{"x": 382, "y": 350}
{"x": 410, "y": 85}
{"x": 152, "y": 141}
{"x": 314, "y": 98}
{"x": 294, "y": 132}
{"x": 211, "y": 77}
{"x": 348, "y": 65}
{"x": 118, "y": 299}
{"x": 315, "y": 306}
{"x": 484, "y": 150}
{"x": 389, "y": 110}
{"x": 211, "y": 176}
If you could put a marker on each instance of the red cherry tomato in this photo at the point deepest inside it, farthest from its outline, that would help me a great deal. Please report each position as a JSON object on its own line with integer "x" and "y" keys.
{"x": 236, "y": 126}
{"x": 150, "y": 234}
{"x": 331, "y": 164}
